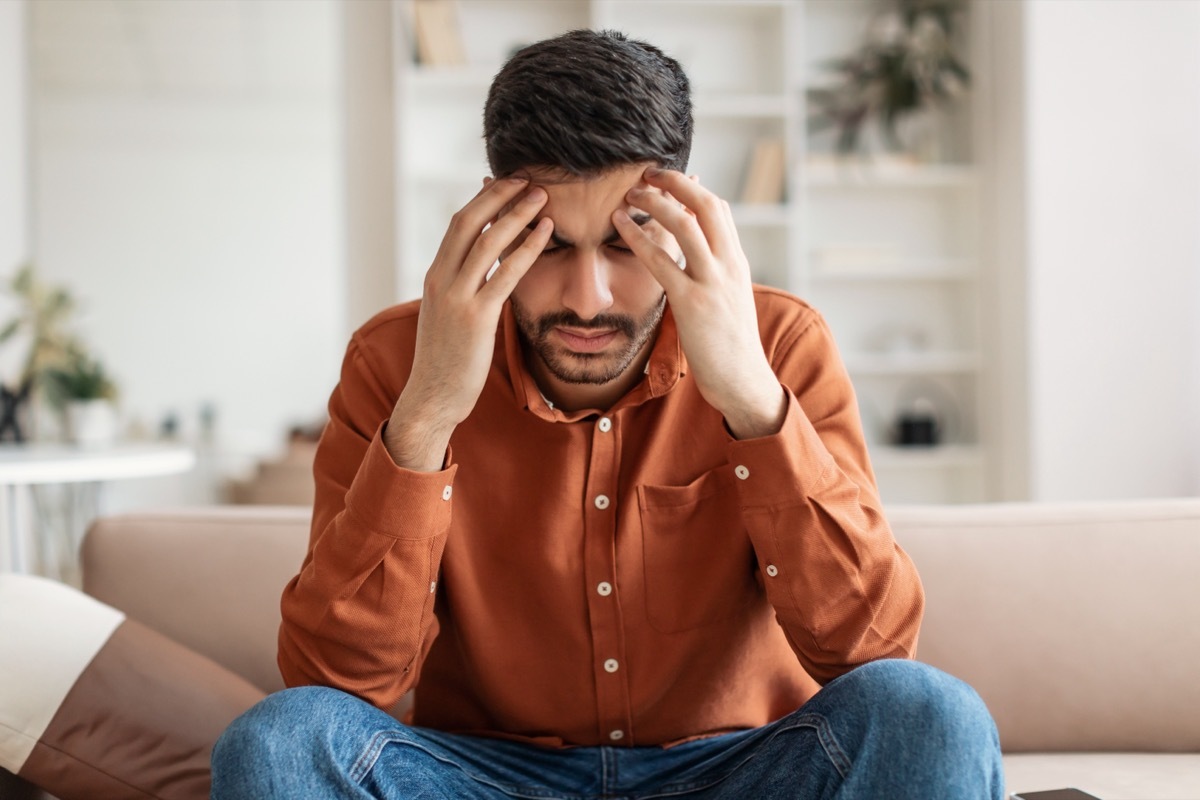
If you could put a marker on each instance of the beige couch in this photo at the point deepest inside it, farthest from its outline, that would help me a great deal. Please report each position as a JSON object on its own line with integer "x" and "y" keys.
{"x": 1078, "y": 624}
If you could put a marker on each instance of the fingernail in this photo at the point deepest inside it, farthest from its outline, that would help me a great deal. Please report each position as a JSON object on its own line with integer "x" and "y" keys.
{"x": 652, "y": 171}
{"x": 536, "y": 195}
{"x": 621, "y": 216}
{"x": 518, "y": 179}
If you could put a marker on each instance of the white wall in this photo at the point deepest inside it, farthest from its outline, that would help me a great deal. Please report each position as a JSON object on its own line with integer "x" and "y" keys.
{"x": 191, "y": 199}
{"x": 1113, "y": 146}
{"x": 13, "y": 158}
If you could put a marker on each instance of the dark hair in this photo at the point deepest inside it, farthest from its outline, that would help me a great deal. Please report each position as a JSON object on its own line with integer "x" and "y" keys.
{"x": 587, "y": 101}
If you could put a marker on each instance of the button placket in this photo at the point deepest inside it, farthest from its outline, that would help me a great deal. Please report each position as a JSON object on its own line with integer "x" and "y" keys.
{"x": 602, "y": 513}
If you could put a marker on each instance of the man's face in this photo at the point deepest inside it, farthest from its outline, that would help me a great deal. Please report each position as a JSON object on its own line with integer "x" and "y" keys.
{"x": 588, "y": 309}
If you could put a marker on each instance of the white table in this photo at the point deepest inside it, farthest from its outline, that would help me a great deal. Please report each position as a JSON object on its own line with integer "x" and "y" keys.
{"x": 25, "y": 465}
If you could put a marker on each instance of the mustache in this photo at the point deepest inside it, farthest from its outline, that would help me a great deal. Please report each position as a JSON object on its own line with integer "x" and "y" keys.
{"x": 570, "y": 319}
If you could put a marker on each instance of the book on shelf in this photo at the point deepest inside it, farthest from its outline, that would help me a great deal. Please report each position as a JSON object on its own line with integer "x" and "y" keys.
{"x": 439, "y": 39}
{"x": 765, "y": 176}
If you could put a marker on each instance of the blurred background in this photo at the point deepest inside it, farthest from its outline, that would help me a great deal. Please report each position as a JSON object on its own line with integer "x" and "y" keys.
{"x": 996, "y": 203}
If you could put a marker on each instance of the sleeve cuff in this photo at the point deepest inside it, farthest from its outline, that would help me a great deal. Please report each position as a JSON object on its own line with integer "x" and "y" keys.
{"x": 397, "y": 502}
{"x": 770, "y": 469}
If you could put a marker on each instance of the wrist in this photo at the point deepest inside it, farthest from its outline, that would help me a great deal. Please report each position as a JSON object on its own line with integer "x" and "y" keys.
{"x": 415, "y": 441}
{"x": 757, "y": 414}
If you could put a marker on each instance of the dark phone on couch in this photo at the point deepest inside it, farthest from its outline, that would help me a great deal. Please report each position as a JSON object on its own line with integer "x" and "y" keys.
{"x": 1055, "y": 794}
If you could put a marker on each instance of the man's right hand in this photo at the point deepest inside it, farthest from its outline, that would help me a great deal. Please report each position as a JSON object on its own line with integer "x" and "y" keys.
{"x": 460, "y": 309}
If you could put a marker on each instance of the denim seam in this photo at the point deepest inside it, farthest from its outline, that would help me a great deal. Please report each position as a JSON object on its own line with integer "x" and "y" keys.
{"x": 608, "y": 770}
{"x": 817, "y": 722}
{"x": 366, "y": 762}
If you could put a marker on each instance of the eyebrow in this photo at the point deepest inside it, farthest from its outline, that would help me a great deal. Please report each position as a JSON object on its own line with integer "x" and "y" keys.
{"x": 638, "y": 219}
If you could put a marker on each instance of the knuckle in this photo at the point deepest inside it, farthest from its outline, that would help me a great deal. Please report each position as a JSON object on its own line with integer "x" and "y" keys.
{"x": 710, "y": 203}
{"x": 461, "y": 221}
{"x": 488, "y": 239}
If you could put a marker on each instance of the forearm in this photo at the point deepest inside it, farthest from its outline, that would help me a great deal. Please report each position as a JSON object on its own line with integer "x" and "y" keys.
{"x": 359, "y": 615}
{"x": 843, "y": 590}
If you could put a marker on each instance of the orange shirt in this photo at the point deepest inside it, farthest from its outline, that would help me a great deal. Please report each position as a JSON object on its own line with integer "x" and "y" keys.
{"x": 631, "y": 576}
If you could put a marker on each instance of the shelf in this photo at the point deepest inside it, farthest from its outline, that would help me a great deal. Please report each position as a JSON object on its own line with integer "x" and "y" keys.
{"x": 937, "y": 457}
{"x": 451, "y": 177}
{"x": 913, "y": 363}
{"x": 897, "y": 270}
{"x": 466, "y": 77}
{"x": 762, "y": 216}
{"x": 900, "y": 175}
{"x": 741, "y": 105}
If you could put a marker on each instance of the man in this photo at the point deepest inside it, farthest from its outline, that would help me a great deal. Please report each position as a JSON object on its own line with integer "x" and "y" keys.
{"x": 605, "y": 506}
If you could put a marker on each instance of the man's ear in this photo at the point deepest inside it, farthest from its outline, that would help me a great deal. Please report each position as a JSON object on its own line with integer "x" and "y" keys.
{"x": 487, "y": 179}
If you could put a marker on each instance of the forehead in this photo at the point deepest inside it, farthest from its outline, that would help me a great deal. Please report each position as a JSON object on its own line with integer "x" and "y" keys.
{"x": 582, "y": 207}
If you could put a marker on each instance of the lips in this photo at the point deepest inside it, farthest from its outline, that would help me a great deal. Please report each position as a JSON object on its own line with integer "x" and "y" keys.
{"x": 586, "y": 342}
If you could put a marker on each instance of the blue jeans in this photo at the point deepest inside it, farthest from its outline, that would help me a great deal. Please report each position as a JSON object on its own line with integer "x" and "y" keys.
{"x": 888, "y": 730}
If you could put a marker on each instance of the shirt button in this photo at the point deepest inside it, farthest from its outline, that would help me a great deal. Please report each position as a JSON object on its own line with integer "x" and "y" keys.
{"x": 447, "y": 492}
{"x": 432, "y": 587}
{"x": 611, "y": 665}
{"x": 601, "y": 501}
{"x": 604, "y": 588}
{"x": 772, "y": 570}
{"x": 741, "y": 472}
{"x": 617, "y": 736}
{"x": 605, "y": 424}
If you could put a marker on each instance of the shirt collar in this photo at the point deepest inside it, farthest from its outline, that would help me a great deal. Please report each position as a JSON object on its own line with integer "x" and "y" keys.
{"x": 664, "y": 369}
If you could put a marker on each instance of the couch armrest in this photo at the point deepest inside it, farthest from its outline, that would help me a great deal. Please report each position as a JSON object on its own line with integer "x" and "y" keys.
{"x": 1076, "y": 623}
{"x": 209, "y": 578}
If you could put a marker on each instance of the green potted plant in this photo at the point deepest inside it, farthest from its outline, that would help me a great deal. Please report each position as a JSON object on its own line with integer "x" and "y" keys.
{"x": 904, "y": 71}
{"x": 56, "y": 366}
{"x": 83, "y": 392}
{"x": 39, "y": 325}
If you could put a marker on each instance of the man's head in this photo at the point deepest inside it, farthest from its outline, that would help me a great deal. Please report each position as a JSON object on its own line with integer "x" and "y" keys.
{"x": 585, "y": 102}
{"x": 582, "y": 115}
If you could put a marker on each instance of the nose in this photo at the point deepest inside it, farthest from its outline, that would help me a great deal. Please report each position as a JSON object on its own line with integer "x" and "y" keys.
{"x": 586, "y": 288}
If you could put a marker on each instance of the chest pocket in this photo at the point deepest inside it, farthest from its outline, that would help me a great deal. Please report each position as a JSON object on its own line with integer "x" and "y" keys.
{"x": 699, "y": 564}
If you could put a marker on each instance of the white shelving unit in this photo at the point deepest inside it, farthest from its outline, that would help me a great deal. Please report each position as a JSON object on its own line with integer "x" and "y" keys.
{"x": 888, "y": 250}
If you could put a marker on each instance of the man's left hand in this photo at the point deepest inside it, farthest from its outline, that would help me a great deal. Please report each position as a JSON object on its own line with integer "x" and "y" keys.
{"x": 712, "y": 299}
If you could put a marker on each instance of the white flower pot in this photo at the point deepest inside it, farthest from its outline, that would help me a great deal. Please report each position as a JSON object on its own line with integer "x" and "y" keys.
{"x": 91, "y": 423}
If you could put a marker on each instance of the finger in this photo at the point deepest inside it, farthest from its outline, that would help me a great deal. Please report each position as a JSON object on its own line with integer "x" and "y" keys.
{"x": 505, "y": 229}
{"x": 732, "y": 223}
{"x": 466, "y": 225}
{"x": 706, "y": 205}
{"x": 682, "y": 225}
{"x": 664, "y": 268}
{"x": 513, "y": 268}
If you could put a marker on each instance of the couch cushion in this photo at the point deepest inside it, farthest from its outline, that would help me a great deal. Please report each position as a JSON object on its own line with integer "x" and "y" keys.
{"x": 95, "y": 706}
{"x": 209, "y": 578}
{"x": 1079, "y": 625}
{"x": 1109, "y": 776}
